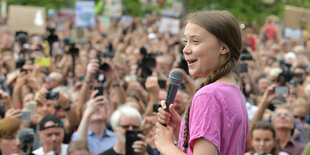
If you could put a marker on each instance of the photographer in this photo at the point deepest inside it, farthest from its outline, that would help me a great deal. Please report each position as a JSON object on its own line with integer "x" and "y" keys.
{"x": 124, "y": 119}
{"x": 93, "y": 127}
{"x": 49, "y": 103}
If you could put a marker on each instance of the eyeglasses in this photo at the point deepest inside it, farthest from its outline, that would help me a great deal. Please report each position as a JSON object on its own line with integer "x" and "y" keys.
{"x": 300, "y": 118}
{"x": 126, "y": 127}
{"x": 282, "y": 114}
{"x": 49, "y": 79}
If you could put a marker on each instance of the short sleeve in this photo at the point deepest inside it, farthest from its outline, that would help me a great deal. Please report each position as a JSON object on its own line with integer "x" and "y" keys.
{"x": 75, "y": 137}
{"x": 205, "y": 120}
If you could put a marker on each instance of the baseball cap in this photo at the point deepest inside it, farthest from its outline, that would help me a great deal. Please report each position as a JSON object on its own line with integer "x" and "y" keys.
{"x": 50, "y": 121}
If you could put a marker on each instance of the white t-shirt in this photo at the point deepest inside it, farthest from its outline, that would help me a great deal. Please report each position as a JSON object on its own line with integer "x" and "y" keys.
{"x": 39, "y": 151}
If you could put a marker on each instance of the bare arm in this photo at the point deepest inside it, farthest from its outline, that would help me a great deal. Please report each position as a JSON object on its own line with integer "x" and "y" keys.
{"x": 92, "y": 68}
{"x": 266, "y": 100}
{"x": 16, "y": 101}
{"x": 153, "y": 88}
{"x": 92, "y": 105}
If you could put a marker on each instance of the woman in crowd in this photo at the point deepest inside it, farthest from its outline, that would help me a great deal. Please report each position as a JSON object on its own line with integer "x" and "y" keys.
{"x": 9, "y": 143}
{"x": 263, "y": 139}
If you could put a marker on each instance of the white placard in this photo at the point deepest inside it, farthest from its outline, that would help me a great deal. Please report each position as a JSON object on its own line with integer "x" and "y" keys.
{"x": 85, "y": 14}
{"x": 169, "y": 25}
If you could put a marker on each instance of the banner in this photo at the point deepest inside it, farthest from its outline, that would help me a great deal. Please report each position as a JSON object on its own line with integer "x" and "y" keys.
{"x": 169, "y": 25}
{"x": 85, "y": 14}
{"x": 113, "y": 8}
{"x": 27, "y": 18}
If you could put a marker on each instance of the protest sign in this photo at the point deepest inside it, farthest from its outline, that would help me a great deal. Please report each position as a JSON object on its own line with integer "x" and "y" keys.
{"x": 296, "y": 18}
{"x": 79, "y": 35}
{"x": 113, "y": 8}
{"x": 169, "y": 25}
{"x": 85, "y": 14}
{"x": 174, "y": 11}
{"x": 27, "y": 18}
{"x": 105, "y": 21}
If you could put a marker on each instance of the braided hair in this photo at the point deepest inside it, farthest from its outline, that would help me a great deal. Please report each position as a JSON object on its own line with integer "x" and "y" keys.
{"x": 225, "y": 28}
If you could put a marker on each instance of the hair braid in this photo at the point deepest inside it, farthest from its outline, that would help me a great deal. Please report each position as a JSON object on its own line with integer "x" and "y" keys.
{"x": 212, "y": 77}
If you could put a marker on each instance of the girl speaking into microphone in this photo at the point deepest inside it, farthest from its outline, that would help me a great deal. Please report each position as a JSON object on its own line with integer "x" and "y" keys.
{"x": 216, "y": 121}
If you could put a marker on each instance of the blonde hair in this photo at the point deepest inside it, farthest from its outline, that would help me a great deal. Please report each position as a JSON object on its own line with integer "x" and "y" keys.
{"x": 300, "y": 102}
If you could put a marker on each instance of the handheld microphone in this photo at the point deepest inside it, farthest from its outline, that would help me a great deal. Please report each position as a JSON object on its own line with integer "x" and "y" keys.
{"x": 175, "y": 79}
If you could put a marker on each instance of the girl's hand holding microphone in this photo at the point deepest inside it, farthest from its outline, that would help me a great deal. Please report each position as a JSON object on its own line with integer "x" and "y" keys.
{"x": 166, "y": 135}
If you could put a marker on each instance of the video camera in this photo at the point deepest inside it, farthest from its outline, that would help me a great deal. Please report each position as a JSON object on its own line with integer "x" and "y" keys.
{"x": 72, "y": 49}
{"x": 286, "y": 75}
{"x": 147, "y": 62}
{"x": 21, "y": 38}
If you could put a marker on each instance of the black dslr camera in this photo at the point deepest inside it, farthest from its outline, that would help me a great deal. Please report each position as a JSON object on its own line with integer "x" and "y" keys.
{"x": 52, "y": 95}
{"x": 245, "y": 55}
{"x": 72, "y": 49}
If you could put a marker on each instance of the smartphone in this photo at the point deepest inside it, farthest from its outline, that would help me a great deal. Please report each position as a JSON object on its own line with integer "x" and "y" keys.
{"x": 100, "y": 90}
{"x": 243, "y": 67}
{"x": 155, "y": 107}
{"x": 131, "y": 137}
{"x": 281, "y": 90}
{"x": 32, "y": 107}
{"x": 162, "y": 83}
{"x": 26, "y": 115}
{"x": 52, "y": 95}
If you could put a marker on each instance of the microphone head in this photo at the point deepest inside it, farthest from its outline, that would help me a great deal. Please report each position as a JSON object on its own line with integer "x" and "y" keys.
{"x": 26, "y": 136}
{"x": 176, "y": 77}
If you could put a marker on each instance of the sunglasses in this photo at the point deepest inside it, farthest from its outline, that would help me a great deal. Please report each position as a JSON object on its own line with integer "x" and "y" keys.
{"x": 126, "y": 127}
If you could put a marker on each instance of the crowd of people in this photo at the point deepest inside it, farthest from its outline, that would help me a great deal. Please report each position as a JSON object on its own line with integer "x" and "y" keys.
{"x": 80, "y": 98}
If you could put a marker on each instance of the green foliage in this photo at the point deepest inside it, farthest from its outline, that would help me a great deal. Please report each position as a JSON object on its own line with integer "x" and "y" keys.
{"x": 245, "y": 10}
{"x": 56, "y": 4}
{"x": 248, "y": 10}
{"x": 133, "y": 7}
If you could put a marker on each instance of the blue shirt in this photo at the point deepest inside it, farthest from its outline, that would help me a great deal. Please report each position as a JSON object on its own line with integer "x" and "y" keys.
{"x": 97, "y": 145}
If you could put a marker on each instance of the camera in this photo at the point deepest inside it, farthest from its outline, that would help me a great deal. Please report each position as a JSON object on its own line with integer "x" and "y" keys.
{"x": 22, "y": 70}
{"x": 52, "y": 95}
{"x": 104, "y": 67}
{"x": 21, "y": 37}
{"x": 146, "y": 63}
{"x": 286, "y": 75}
{"x": 131, "y": 137}
{"x": 156, "y": 106}
{"x": 245, "y": 55}
{"x": 281, "y": 90}
{"x": 72, "y": 49}
{"x": 162, "y": 83}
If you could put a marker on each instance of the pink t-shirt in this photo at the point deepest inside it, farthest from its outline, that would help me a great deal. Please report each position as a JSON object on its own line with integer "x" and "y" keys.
{"x": 218, "y": 114}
